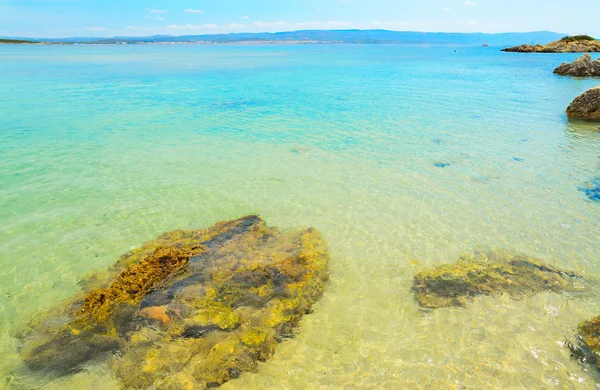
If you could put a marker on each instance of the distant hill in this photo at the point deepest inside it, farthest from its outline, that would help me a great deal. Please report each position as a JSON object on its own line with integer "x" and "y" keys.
{"x": 342, "y": 36}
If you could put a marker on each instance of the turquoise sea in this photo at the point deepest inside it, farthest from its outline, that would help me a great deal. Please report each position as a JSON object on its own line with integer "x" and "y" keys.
{"x": 403, "y": 156}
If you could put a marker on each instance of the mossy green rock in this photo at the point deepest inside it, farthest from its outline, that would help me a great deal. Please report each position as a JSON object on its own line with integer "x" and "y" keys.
{"x": 192, "y": 309}
{"x": 490, "y": 273}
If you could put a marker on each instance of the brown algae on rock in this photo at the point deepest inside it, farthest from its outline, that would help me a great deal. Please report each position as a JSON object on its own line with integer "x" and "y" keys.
{"x": 587, "y": 348}
{"x": 490, "y": 273}
{"x": 192, "y": 309}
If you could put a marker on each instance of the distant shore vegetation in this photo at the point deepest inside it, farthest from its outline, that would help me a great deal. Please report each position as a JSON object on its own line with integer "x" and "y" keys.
{"x": 576, "y": 38}
{"x": 15, "y": 41}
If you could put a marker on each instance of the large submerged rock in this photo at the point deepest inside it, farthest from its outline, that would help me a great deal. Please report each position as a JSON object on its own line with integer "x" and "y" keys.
{"x": 586, "y": 106}
{"x": 490, "y": 273}
{"x": 192, "y": 309}
{"x": 584, "y": 66}
{"x": 577, "y": 44}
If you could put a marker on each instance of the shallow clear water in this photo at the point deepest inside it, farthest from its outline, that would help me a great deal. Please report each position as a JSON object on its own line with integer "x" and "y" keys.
{"x": 104, "y": 147}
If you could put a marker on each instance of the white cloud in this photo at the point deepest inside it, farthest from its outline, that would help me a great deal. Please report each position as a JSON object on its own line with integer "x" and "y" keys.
{"x": 469, "y": 23}
{"x": 325, "y": 25}
{"x": 244, "y": 17}
{"x": 154, "y": 17}
{"x": 193, "y": 11}
{"x": 96, "y": 28}
{"x": 446, "y": 9}
{"x": 276, "y": 26}
{"x": 270, "y": 24}
{"x": 156, "y": 11}
{"x": 402, "y": 25}
{"x": 191, "y": 26}
{"x": 470, "y": 2}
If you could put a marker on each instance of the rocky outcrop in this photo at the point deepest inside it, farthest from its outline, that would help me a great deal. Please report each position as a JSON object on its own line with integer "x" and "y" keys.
{"x": 525, "y": 49}
{"x": 581, "y": 67}
{"x": 561, "y": 46}
{"x": 586, "y": 106}
{"x": 490, "y": 273}
{"x": 191, "y": 309}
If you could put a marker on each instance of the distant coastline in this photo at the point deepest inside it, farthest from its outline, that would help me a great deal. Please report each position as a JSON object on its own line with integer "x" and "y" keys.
{"x": 314, "y": 37}
{"x": 298, "y": 42}
{"x": 16, "y": 42}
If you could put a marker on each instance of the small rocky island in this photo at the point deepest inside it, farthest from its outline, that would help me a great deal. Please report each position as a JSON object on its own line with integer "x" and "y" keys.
{"x": 575, "y": 44}
{"x": 586, "y": 106}
{"x": 189, "y": 310}
{"x": 584, "y": 66}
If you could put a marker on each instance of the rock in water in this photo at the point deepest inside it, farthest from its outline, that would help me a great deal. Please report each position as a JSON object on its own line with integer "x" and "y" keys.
{"x": 576, "y": 44}
{"x": 192, "y": 309}
{"x": 592, "y": 189}
{"x": 587, "y": 348}
{"x": 586, "y": 106}
{"x": 525, "y": 49}
{"x": 581, "y": 67}
{"x": 489, "y": 273}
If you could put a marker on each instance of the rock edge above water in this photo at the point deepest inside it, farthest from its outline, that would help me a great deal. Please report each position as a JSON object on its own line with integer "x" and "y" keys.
{"x": 586, "y": 106}
{"x": 584, "y": 66}
{"x": 561, "y": 46}
{"x": 191, "y": 309}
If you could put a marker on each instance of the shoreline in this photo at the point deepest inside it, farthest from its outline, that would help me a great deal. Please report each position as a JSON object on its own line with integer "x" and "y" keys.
{"x": 250, "y": 43}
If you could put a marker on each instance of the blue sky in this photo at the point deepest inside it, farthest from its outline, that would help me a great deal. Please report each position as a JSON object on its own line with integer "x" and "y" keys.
{"x": 64, "y": 18}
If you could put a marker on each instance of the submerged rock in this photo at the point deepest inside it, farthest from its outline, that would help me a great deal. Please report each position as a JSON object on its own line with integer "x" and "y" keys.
{"x": 192, "y": 309}
{"x": 586, "y": 106}
{"x": 581, "y": 67}
{"x": 587, "y": 348}
{"x": 592, "y": 190}
{"x": 489, "y": 273}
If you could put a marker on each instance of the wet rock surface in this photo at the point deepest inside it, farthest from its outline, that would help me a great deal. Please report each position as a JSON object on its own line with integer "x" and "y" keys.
{"x": 584, "y": 66}
{"x": 490, "y": 273}
{"x": 586, "y": 106}
{"x": 191, "y": 309}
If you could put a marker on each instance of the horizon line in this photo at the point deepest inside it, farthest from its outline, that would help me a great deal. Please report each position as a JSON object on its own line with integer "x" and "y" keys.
{"x": 283, "y": 32}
